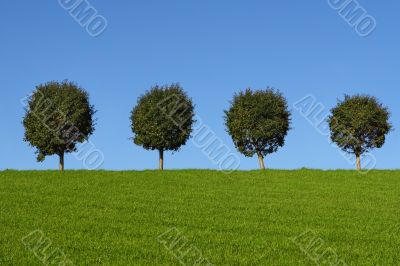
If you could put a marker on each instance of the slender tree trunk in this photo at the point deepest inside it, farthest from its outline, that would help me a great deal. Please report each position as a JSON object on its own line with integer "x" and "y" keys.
{"x": 358, "y": 162}
{"x": 61, "y": 165}
{"x": 161, "y": 161}
{"x": 261, "y": 161}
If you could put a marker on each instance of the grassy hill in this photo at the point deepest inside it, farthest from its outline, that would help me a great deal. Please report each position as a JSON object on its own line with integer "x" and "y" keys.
{"x": 164, "y": 218}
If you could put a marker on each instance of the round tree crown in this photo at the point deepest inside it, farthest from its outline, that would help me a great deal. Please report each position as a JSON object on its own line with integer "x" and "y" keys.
{"x": 258, "y": 121}
{"x": 359, "y": 123}
{"x": 163, "y": 118}
{"x": 58, "y": 116}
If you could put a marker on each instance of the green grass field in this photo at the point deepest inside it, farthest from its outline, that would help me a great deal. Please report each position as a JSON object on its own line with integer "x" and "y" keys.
{"x": 244, "y": 218}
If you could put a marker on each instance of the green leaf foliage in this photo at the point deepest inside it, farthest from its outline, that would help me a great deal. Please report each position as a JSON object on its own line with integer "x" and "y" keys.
{"x": 359, "y": 123}
{"x": 163, "y": 118}
{"x": 258, "y": 121}
{"x": 58, "y": 117}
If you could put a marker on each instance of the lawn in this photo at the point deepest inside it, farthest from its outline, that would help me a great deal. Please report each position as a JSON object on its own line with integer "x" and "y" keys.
{"x": 274, "y": 217}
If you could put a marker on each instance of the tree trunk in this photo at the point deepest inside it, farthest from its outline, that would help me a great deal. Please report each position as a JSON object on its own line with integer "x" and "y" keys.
{"x": 61, "y": 165}
{"x": 358, "y": 162}
{"x": 261, "y": 161}
{"x": 161, "y": 161}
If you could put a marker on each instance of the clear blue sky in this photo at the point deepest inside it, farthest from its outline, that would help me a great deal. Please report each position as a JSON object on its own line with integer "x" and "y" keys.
{"x": 213, "y": 48}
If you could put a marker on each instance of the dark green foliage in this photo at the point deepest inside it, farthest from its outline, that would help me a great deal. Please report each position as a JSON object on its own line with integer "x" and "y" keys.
{"x": 58, "y": 116}
{"x": 258, "y": 121}
{"x": 163, "y": 118}
{"x": 359, "y": 123}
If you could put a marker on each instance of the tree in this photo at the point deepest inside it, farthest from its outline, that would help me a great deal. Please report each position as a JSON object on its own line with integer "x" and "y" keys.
{"x": 58, "y": 117}
{"x": 358, "y": 124}
{"x": 258, "y": 122}
{"x": 162, "y": 119}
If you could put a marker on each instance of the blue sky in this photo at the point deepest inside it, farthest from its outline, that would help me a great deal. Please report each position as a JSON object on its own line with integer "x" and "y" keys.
{"x": 213, "y": 49}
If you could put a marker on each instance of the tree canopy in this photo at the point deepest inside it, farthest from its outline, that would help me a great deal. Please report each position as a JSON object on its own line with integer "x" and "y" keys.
{"x": 258, "y": 122}
{"x": 358, "y": 124}
{"x": 58, "y": 117}
{"x": 162, "y": 119}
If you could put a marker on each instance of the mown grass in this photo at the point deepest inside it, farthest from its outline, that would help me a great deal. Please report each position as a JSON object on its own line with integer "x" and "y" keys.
{"x": 244, "y": 218}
